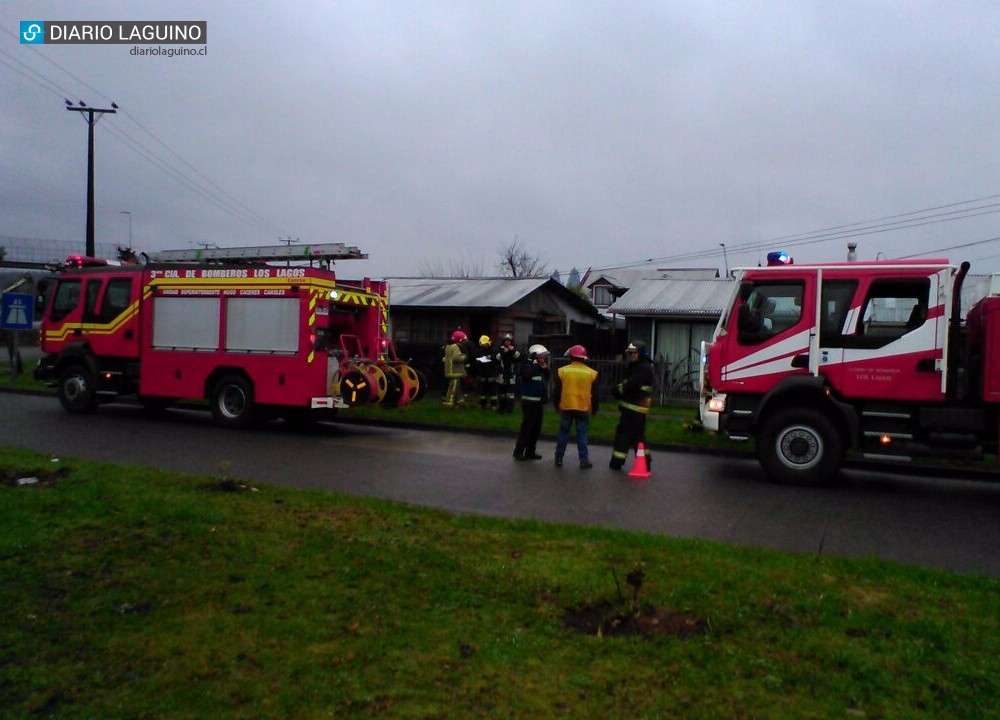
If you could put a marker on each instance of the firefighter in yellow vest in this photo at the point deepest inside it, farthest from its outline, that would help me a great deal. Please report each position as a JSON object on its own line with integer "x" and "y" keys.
{"x": 575, "y": 396}
{"x": 454, "y": 369}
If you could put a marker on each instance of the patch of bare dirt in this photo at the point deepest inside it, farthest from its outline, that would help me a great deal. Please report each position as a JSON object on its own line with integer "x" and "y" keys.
{"x": 31, "y": 478}
{"x": 604, "y": 618}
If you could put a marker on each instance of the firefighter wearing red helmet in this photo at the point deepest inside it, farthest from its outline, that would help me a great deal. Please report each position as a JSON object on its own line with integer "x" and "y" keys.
{"x": 635, "y": 396}
{"x": 575, "y": 396}
{"x": 454, "y": 369}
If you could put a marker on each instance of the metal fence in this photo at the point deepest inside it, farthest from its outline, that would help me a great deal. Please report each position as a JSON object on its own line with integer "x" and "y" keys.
{"x": 676, "y": 383}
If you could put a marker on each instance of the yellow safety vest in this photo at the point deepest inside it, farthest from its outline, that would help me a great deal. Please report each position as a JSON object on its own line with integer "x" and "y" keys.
{"x": 577, "y": 380}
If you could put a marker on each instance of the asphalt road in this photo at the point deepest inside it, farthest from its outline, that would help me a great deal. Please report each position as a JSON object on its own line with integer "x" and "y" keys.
{"x": 919, "y": 520}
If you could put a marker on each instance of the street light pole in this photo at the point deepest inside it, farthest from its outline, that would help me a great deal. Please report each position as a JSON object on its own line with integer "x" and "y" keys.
{"x": 725, "y": 257}
{"x": 126, "y": 212}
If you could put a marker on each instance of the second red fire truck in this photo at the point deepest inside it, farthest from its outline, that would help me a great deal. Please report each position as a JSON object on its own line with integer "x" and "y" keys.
{"x": 257, "y": 332}
{"x": 816, "y": 360}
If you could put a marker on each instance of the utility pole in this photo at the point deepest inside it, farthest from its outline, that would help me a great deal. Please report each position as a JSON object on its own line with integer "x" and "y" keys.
{"x": 126, "y": 212}
{"x": 91, "y": 121}
{"x": 289, "y": 242}
{"x": 725, "y": 258}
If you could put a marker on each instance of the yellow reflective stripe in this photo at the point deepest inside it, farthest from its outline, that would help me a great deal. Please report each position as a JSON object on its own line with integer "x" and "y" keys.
{"x": 619, "y": 455}
{"x": 635, "y": 408}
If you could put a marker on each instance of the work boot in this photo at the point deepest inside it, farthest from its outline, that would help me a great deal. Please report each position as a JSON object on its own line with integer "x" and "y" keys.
{"x": 532, "y": 456}
{"x": 615, "y": 465}
{"x": 586, "y": 464}
{"x": 558, "y": 461}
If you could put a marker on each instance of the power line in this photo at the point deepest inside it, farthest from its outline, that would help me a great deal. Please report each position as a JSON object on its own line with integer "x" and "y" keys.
{"x": 39, "y": 79}
{"x": 213, "y": 193}
{"x": 917, "y": 218}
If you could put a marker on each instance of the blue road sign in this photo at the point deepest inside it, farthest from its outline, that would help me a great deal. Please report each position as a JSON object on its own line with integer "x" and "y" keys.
{"x": 16, "y": 310}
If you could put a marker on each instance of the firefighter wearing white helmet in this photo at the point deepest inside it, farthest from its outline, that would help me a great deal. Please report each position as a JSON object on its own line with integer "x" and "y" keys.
{"x": 635, "y": 396}
{"x": 534, "y": 393}
{"x": 575, "y": 396}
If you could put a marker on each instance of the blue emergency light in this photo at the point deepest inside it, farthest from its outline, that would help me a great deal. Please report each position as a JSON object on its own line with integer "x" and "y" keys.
{"x": 778, "y": 257}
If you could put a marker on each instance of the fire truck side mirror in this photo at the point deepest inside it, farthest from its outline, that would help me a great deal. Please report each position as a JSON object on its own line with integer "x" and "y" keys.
{"x": 41, "y": 296}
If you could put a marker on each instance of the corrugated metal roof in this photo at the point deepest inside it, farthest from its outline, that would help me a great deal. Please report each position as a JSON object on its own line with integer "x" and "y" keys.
{"x": 627, "y": 277}
{"x": 461, "y": 292}
{"x": 674, "y": 297}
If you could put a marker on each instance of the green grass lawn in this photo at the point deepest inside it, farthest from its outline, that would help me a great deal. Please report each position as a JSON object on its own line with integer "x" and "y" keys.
{"x": 133, "y": 593}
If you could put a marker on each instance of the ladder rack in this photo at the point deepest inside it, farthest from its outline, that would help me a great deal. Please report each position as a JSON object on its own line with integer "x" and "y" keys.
{"x": 264, "y": 253}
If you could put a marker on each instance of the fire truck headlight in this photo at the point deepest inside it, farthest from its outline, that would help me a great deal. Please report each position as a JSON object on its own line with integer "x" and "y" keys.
{"x": 717, "y": 404}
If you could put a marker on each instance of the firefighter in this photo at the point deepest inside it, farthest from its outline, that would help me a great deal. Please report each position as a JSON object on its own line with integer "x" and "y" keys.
{"x": 508, "y": 366}
{"x": 635, "y": 395}
{"x": 485, "y": 370}
{"x": 534, "y": 393}
{"x": 454, "y": 369}
{"x": 575, "y": 396}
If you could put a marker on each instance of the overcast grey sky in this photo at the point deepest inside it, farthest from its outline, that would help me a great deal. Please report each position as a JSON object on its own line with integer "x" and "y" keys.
{"x": 597, "y": 133}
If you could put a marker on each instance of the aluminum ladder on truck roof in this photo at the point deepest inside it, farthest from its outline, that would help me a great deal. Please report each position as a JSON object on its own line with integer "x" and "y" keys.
{"x": 324, "y": 252}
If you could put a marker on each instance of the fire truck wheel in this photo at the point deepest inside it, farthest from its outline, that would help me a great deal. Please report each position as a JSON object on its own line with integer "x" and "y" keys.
{"x": 421, "y": 386}
{"x": 76, "y": 389}
{"x": 800, "y": 446}
{"x": 393, "y": 388}
{"x": 232, "y": 401}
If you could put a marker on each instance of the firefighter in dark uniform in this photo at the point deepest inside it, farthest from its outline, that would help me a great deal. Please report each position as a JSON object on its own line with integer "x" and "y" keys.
{"x": 635, "y": 395}
{"x": 485, "y": 367}
{"x": 534, "y": 393}
{"x": 508, "y": 374}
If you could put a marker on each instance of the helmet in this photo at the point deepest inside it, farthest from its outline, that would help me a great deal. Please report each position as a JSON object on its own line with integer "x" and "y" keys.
{"x": 637, "y": 346}
{"x": 577, "y": 352}
{"x": 484, "y": 340}
{"x": 506, "y": 337}
{"x": 458, "y": 336}
{"x": 537, "y": 350}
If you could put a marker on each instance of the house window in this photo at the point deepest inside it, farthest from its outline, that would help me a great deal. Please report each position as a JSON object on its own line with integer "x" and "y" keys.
{"x": 602, "y": 296}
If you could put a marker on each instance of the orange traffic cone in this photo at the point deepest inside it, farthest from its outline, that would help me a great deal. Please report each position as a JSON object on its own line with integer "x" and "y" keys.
{"x": 639, "y": 468}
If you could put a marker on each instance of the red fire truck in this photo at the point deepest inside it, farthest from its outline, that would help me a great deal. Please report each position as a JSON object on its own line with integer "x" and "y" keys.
{"x": 816, "y": 360}
{"x": 257, "y": 332}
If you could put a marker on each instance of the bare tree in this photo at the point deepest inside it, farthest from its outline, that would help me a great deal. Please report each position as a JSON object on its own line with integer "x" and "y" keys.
{"x": 456, "y": 268}
{"x": 516, "y": 261}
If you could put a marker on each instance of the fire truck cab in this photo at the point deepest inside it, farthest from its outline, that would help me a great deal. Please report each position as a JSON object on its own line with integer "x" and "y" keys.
{"x": 815, "y": 360}
{"x": 243, "y": 328}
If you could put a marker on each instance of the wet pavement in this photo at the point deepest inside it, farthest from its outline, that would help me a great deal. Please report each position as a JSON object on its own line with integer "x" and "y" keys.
{"x": 922, "y": 520}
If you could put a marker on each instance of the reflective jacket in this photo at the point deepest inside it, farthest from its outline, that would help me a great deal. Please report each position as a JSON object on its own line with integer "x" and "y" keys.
{"x": 534, "y": 382}
{"x": 454, "y": 361}
{"x": 576, "y": 388}
{"x": 635, "y": 392}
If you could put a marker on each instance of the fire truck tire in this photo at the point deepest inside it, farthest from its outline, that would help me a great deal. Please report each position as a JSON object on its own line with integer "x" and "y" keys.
{"x": 77, "y": 391}
{"x": 232, "y": 401}
{"x": 800, "y": 446}
{"x": 421, "y": 386}
{"x": 393, "y": 395}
